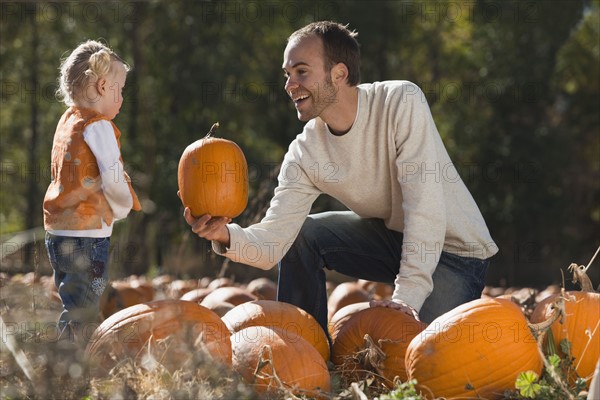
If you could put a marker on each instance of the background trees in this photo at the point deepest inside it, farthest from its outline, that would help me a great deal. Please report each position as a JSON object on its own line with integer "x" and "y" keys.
{"x": 513, "y": 86}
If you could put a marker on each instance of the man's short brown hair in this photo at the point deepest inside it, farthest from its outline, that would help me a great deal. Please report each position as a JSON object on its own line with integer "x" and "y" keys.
{"x": 339, "y": 44}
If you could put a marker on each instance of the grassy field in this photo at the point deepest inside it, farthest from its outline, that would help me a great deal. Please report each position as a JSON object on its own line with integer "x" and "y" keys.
{"x": 52, "y": 369}
{"x": 61, "y": 371}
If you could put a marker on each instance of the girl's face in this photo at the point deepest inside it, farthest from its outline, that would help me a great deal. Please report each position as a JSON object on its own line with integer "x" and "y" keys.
{"x": 110, "y": 90}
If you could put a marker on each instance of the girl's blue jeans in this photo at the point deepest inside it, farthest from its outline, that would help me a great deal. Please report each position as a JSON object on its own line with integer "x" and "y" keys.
{"x": 364, "y": 248}
{"x": 80, "y": 274}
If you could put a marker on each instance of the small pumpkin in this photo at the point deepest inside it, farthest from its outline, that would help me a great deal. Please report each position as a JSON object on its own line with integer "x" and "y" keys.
{"x": 213, "y": 177}
{"x": 344, "y": 294}
{"x": 227, "y": 294}
{"x": 122, "y": 294}
{"x": 475, "y": 350}
{"x": 170, "y": 331}
{"x": 377, "y": 290}
{"x": 294, "y": 321}
{"x": 196, "y": 295}
{"x": 177, "y": 288}
{"x": 220, "y": 282}
{"x": 373, "y": 340}
{"x": 263, "y": 288}
{"x": 274, "y": 364}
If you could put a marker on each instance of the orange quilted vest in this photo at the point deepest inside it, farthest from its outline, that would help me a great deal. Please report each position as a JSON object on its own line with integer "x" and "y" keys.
{"x": 74, "y": 199}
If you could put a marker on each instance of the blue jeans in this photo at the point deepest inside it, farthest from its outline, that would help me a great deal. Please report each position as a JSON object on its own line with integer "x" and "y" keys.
{"x": 80, "y": 274}
{"x": 364, "y": 248}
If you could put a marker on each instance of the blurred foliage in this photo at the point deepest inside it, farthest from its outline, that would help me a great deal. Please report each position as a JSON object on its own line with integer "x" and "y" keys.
{"x": 513, "y": 86}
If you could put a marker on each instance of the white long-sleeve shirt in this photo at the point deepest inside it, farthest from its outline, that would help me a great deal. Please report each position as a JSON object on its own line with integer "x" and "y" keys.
{"x": 391, "y": 165}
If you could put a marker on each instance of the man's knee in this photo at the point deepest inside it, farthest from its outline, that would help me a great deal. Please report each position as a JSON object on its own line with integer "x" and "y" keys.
{"x": 307, "y": 236}
{"x": 310, "y": 228}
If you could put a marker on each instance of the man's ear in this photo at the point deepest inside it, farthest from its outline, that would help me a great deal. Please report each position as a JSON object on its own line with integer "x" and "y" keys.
{"x": 339, "y": 73}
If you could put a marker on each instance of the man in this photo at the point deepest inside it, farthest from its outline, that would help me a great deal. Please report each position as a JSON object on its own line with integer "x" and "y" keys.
{"x": 375, "y": 148}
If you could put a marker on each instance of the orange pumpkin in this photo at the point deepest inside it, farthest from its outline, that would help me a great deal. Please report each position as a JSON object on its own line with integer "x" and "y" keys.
{"x": 227, "y": 294}
{"x": 377, "y": 290}
{"x": 144, "y": 286}
{"x": 263, "y": 288}
{"x": 273, "y": 362}
{"x": 171, "y": 331}
{"x": 274, "y": 314}
{"x": 373, "y": 339}
{"x": 122, "y": 294}
{"x": 343, "y": 294}
{"x": 342, "y": 315}
{"x": 580, "y": 326}
{"x": 220, "y": 282}
{"x": 196, "y": 295}
{"x": 476, "y": 350}
{"x": 179, "y": 287}
{"x": 213, "y": 177}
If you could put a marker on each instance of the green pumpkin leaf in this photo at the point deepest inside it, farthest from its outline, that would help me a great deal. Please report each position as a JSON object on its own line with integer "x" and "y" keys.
{"x": 527, "y": 384}
{"x": 554, "y": 361}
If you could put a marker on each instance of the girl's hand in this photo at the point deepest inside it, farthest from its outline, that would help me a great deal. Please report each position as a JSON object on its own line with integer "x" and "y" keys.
{"x": 397, "y": 305}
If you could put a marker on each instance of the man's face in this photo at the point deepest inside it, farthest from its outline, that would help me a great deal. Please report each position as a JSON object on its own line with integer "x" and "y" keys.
{"x": 308, "y": 82}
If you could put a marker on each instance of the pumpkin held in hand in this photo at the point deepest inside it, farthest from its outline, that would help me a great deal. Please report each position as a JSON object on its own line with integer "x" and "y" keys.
{"x": 213, "y": 177}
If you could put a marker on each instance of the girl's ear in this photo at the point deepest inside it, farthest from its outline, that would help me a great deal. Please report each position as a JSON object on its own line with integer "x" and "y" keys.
{"x": 101, "y": 86}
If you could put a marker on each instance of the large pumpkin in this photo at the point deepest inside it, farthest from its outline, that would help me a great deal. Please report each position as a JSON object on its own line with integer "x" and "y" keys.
{"x": 373, "y": 339}
{"x": 476, "y": 350}
{"x": 170, "y": 331}
{"x": 273, "y": 362}
{"x": 342, "y": 315}
{"x": 274, "y": 314}
{"x": 213, "y": 177}
{"x": 580, "y": 326}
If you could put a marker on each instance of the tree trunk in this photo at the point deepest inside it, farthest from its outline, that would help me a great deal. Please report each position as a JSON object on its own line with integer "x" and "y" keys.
{"x": 33, "y": 169}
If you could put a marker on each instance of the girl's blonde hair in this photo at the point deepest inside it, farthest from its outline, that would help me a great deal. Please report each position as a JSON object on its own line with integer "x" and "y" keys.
{"x": 91, "y": 59}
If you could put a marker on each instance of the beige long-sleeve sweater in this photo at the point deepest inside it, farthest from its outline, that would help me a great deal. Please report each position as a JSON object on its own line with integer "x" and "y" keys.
{"x": 391, "y": 165}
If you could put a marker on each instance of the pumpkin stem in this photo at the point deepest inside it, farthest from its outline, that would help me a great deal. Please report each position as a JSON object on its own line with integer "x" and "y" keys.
{"x": 371, "y": 356}
{"x": 580, "y": 276}
{"x": 212, "y": 130}
{"x": 558, "y": 311}
{"x": 265, "y": 359}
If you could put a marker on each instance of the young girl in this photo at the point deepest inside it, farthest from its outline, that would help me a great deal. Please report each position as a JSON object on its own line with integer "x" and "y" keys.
{"x": 89, "y": 189}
